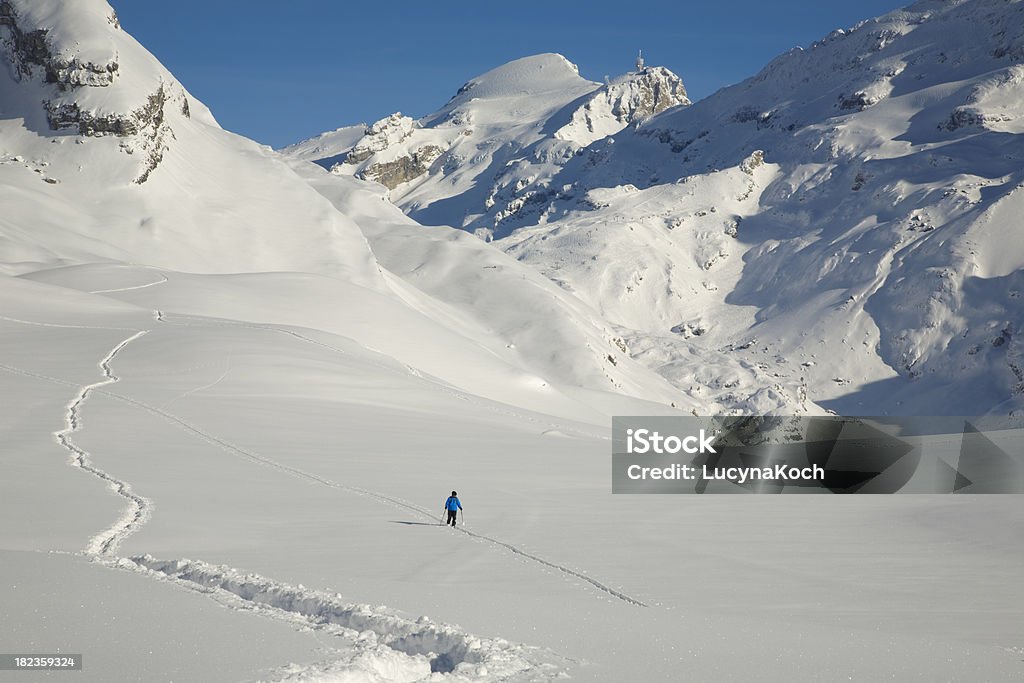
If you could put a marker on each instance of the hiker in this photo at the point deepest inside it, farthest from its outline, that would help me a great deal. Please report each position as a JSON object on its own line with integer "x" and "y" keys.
{"x": 452, "y": 505}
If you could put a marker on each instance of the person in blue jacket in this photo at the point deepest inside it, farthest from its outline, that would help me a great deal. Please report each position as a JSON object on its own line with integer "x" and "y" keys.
{"x": 452, "y": 505}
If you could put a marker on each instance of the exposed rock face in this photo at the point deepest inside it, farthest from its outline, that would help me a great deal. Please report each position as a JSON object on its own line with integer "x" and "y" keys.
{"x": 33, "y": 57}
{"x": 623, "y": 101}
{"x": 752, "y": 162}
{"x": 645, "y": 93}
{"x": 29, "y": 48}
{"x": 381, "y": 135}
{"x": 391, "y": 174}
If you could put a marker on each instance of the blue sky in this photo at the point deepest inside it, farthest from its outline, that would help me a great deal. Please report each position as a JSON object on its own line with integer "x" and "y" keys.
{"x": 279, "y": 72}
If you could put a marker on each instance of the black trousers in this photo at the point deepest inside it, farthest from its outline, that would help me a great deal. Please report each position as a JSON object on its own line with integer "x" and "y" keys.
{"x": 451, "y": 517}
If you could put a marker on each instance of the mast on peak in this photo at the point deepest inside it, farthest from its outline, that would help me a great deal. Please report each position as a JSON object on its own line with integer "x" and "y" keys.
{"x": 640, "y": 60}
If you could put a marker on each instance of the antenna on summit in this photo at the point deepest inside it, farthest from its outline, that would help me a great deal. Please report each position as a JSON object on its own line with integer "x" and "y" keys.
{"x": 640, "y": 60}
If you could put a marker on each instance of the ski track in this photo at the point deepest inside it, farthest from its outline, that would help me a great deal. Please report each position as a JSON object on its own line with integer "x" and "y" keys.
{"x": 438, "y": 647}
{"x": 66, "y": 327}
{"x": 203, "y": 387}
{"x": 163, "y": 279}
{"x": 238, "y": 451}
{"x": 139, "y": 508}
{"x": 432, "y": 647}
{"x": 161, "y": 317}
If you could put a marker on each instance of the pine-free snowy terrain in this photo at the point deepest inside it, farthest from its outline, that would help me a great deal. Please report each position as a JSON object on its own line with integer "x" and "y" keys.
{"x": 237, "y": 389}
{"x": 839, "y": 228}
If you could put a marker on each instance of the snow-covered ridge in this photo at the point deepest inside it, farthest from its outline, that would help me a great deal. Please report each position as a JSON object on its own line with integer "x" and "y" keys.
{"x": 858, "y": 190}
{"x": 535, "y": 75}
{"x": 105, "y": 156}
{"x": 628, "y": 99}
{"x": 501, "y": 138}
{"x": 73, "y": 54}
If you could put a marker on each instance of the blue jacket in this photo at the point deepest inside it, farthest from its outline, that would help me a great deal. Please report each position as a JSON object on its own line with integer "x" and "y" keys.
{"x": 452, "y": 504}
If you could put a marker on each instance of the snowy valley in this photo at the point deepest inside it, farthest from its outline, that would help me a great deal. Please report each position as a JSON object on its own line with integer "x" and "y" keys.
{"x": 239, "y": 382}
{"x": 832, "y": 232}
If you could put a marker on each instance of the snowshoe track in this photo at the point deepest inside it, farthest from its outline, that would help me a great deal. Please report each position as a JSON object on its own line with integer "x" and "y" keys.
{"x": 139, "y": 508}
{"x": 444, "y": 648}
{"x": 107, "y": 542}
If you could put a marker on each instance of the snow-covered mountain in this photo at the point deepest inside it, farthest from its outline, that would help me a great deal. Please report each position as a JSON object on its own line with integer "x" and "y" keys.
{"x": 237, "y": 387}
{"x": 105, "y": 158}
{"x": 839, "y": 225}
{"x": 495, "y": 145}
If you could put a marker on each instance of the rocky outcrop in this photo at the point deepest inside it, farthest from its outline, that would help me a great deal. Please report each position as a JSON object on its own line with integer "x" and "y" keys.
{"x": 391, "y": 174}
{"x": 648, "y": 92}
{"x": 623, "y": 101}
{"x": 28, "y": 49}
{"x": 33, "y": 57}
{"x": 858, "y": 101}
{"x": 381, "y": 135}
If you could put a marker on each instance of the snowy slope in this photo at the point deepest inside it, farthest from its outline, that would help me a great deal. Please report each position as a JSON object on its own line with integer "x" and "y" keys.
{"x": 837, "y": 227}
{"x": 495, "y": 145}
{"x": 872, "y": 241}
{"x": 99, "y": 145}
{"x": 272, "y": 489}
{"x": 327, "y": 149}
{"x": 238, "y": 388}
{"x": 213, "y": 202}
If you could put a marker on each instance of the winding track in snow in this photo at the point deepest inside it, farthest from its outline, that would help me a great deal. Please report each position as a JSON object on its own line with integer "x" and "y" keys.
{"x": 106, "y": 542}
{"x": 163, "y": 279}
{"x": 243, "y": 591}
{"x": 309, "y": 476}
{"x": 139, "y": 508}
{"x": 426, "y": 514}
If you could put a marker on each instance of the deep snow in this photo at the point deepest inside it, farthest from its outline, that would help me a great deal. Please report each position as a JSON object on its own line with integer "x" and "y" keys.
{"x": 238, "y": 387}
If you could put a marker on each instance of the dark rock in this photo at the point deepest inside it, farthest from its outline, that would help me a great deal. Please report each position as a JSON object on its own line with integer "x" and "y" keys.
{"x": 391, "y": 174}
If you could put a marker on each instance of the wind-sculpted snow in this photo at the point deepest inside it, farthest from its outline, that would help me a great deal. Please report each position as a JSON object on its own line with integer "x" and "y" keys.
{"x": 833, "y": 230}
{"x": 432, "y": 647}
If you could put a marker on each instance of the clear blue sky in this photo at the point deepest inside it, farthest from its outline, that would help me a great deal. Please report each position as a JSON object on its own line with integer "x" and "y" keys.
{"x": 279, "y": 72}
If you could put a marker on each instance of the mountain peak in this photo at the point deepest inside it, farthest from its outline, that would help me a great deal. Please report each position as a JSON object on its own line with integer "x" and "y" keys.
{"x": 622, "y": 101}
{"x": 526, "y": 76}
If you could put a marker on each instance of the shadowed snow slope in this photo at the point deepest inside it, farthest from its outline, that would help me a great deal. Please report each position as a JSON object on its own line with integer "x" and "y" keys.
{"x": 105, "y": 157}
{"x": 837, "y": 227}
{"x": 495, "y": 145}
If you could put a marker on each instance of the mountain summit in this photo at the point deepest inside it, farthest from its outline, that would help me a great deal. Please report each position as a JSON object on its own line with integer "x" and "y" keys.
{"x": 496, "y": 143}
{"x": 105, "y": 156}
{"x": 840, "y": 224}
